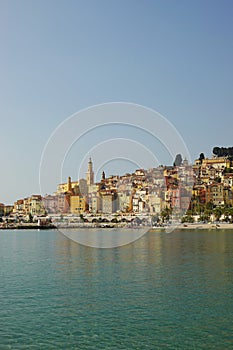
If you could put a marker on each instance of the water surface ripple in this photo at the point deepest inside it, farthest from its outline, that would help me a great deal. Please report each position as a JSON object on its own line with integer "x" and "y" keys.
{"x": 164, "y": 291}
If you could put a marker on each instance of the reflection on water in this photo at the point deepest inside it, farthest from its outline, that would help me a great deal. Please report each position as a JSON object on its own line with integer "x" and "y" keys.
{"x": 104, "y": 238}
{"x": 162, "y": 291}
{"x": 143, "y": 250}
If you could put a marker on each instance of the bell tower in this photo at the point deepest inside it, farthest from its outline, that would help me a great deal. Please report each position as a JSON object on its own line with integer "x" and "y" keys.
{"x": 90, "y": 173}
{"x": 69, "y": 186}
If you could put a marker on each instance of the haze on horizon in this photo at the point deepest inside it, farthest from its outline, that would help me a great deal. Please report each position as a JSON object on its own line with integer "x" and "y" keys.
{"x": 59, "y": 57}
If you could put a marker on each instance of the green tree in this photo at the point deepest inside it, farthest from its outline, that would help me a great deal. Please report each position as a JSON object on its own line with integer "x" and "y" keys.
{"x": 228, "y": 170}
{"x": 230, "y": 211}
{"x": 154, "y": 219}
{"x": 187, "y": 218}
{"x": 209, "y": 205}
{"x": 165, "y": 214}
{"x": 178, "y": 160}
{"x": 204, "y": 217}
{"x": 201, "y": 157}
{"x": 218, "y": 213}
{"x": 30, "y": 217}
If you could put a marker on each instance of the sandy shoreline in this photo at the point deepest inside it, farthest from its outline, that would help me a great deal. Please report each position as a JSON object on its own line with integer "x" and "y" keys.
{"x": 184, "y": 226}
{"x": 198, "y": 226}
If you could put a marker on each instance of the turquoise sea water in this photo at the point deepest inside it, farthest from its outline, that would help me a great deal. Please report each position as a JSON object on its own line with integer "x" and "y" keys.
{"x": 164, "y": 291}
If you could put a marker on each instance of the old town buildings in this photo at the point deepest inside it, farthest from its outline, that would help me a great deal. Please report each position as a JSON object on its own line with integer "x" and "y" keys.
{"x": 146, "y": 191}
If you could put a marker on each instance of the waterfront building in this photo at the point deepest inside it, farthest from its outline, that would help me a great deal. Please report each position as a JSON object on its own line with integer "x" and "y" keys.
{"x": 144, "y": 191}
{"x": 26, "y": 206}
{"x": 137, "y": 202}
{"x": 214, "y": 194}
{"x": 36, "y": 205}
{"x": 219, "y": 194}
{"x": 1, "y": 209}
{"x": 180, "y": 199}
{"x": 199, "y": 194}
{"x": 124, "y": 200}
{"x": 19, "y": 207}
{"x": 63, "y": 203}
{"x": 95, "y": 203}
{"x": 109, "y": 203}
{"x": 51, "y": 204}
{"x": 141, "y": 206}
{"x": 228, "y": 196}
{"x": 8, "y": 209}
{"x": 78, "y": 204}
{"x": 154, "y": 203}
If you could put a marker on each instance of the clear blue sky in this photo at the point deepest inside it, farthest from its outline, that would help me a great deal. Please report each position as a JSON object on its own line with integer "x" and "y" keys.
{"x": 60, "y": 56}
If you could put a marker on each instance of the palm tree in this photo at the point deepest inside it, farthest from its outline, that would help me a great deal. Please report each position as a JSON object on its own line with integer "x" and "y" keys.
{"x": 165, "y": 214}
{"x": 218, "y": 213}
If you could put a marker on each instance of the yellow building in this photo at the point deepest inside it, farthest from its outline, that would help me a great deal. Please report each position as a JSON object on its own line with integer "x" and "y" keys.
{"x": 2, "y": 209}
{"x": 83, "y": 185}
{"x": 19, "y": 206}
{"x": 67, "y": 186}
{"x": 8, "y": 209}
{"x": 217, "y": 163}
{"x": 26, "y": 206}
{"x": 78, "y": 204}
{"x": 36, "y": 205}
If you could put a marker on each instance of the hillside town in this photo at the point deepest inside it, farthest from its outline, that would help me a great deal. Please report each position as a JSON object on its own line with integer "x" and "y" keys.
{"x": 200, "y": 192}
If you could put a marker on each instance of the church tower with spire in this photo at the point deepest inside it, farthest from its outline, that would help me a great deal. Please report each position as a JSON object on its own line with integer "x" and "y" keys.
{"x": 90, "y": 173}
